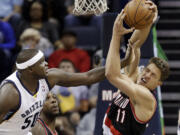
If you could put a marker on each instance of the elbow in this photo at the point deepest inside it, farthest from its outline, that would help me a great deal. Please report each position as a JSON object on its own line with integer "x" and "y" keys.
{"x": 109, "y": 75}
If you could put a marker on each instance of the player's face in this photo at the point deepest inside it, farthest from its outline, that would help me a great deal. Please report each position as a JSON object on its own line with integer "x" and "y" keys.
{"x": 150, "y": 77}
{"x": 40, "y": 68}
{"x": 51, "y": 104}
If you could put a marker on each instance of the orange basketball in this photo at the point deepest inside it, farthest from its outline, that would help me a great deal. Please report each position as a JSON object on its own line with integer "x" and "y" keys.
{"x": 138, "y": 14}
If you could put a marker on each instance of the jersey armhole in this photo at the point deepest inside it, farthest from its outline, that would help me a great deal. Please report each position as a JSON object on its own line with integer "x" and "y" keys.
{"x": 47, "y": 82}
{"x": 137, "y": 119}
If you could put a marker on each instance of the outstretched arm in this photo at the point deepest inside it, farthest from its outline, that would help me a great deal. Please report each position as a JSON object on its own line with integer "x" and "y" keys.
{"x": 59, "y": 77}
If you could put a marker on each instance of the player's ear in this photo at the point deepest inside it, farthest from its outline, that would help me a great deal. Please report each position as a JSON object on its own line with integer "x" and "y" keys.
{"x": 30, "y": 69}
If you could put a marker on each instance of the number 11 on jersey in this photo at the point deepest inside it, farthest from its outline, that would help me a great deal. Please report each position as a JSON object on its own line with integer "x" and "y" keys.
{"x": 120, "y": 116}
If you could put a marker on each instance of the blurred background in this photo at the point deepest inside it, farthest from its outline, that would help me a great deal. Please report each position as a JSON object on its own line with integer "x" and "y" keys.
{"x": 80, "y": 43}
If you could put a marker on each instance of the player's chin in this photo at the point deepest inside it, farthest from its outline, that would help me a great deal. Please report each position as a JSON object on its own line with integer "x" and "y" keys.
{"x": 56, "y": 113}
{"x": 55, "y": 110}
{"x": 43, "y": 74}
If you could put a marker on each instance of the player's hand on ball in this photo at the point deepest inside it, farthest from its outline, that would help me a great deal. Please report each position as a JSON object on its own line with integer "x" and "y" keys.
{"x": 118, "y": 28}
{"x": 152, "y": 7}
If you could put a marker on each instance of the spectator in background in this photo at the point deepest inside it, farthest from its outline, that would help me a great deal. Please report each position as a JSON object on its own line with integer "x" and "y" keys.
{"x": 7, "y": 37}
{"x": 97, "y": 62}
{"x": 56, "y": 13}
{"x": 87, "y": 123}
{"x": 10, "y": 11}
{"x": 32, "y": 39}
{"x": 72, "y": 98}
{"x": 35, "y": 15}
{"x": 73, "y": 101}
{"x": 79, "y": 57}
{"x": 81, "y": 20}
{"x": 7, "y": 42}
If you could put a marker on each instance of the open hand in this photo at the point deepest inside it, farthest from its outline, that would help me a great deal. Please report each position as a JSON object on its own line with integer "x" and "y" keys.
{"x": 152, "y": 7}
{"x": 118, "y": 28}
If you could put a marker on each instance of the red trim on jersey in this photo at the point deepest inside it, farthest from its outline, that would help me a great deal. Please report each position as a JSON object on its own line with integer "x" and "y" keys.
{"x": 43, "y": 126}
{"x": 135, "y": 116}
{"x": 53, "y": 133}
{"x": 111, "y": 127}
{"x": 108, "y": 109}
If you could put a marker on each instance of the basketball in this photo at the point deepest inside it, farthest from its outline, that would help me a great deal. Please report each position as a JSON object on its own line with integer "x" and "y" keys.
{"x": 138, "y": 14}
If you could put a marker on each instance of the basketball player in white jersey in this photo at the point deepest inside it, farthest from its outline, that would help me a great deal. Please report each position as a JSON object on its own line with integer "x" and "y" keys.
{"x": 22, "y": 93}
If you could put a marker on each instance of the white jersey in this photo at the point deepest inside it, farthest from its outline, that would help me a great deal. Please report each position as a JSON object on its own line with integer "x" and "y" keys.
{"x": 21, "y": 120}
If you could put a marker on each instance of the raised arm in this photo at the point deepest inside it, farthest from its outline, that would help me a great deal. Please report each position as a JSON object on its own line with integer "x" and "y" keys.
{"x": 113, "y": 64}
{"x": 137, "y": 39}
{"x": 9, "y": 100}
{"x": 113, "y": 74}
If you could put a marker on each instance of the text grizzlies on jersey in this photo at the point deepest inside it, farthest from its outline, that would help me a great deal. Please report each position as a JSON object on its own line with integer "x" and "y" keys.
{"x": 32, "y": 108}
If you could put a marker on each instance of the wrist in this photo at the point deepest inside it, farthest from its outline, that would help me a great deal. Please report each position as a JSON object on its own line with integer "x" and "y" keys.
{"x": 116, "y": 36}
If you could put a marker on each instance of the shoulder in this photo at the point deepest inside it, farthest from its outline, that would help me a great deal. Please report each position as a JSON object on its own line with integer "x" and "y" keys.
{"x": 9, "y": 91}
{"x": 38, "y": 129}
{"x": 143, "y": 93}
{"x": 145, "y": 108}
{"x": 9, "y": 99}
{"x": 82, "y": 51}
{"x": 144, "y": 98}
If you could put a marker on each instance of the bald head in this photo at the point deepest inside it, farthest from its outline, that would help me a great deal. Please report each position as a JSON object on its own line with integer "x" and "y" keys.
{"x": 25, "y": 55}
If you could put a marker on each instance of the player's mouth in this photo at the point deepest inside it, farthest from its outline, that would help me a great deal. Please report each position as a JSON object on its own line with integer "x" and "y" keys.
{"x": 55, "y": 108}
{"x": 143, "y": 80}
{"x": 46, "y": 70}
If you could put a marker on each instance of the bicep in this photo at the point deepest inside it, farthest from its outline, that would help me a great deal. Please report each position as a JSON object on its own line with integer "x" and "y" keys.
{"x": 123, "y": 83}
{"x": 9, "y": 99}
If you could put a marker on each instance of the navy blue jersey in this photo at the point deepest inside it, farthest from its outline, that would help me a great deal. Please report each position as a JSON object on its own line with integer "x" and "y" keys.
{"x": 121, "y": 119}
{"x": 47, "y": 130}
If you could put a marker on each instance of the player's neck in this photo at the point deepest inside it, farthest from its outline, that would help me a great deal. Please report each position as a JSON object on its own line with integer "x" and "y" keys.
{"x": 49, "y": 121}
{"x": 28, "y": 81}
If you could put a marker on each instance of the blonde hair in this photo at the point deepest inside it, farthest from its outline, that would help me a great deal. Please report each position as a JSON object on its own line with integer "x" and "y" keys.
{"x": 30, "y": 32}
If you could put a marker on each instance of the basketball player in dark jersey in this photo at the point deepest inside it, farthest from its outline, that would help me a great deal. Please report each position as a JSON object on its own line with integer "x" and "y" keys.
{"x": 134, "y": 104}
{"x": 45, "y": 124}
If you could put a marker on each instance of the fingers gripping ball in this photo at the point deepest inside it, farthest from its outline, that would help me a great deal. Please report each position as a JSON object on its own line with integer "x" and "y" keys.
{"x": 138, "y": 14}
